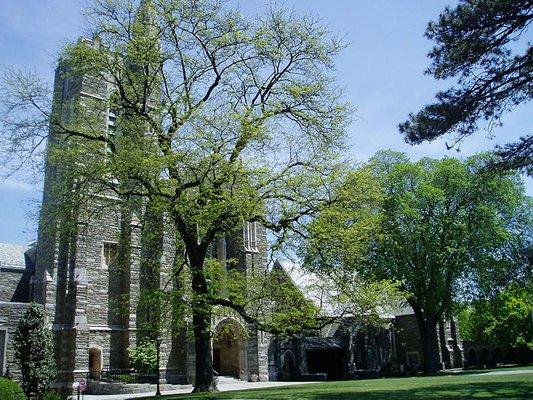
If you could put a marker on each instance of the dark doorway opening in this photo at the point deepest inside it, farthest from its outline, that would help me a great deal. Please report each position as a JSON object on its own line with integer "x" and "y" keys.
{"x": 288, "y": 372}
{"x": 484, "y": 358}
{"x": 328, "y": 361}
{"x": 472, "y": 357}
{"x": 498, "y": 355}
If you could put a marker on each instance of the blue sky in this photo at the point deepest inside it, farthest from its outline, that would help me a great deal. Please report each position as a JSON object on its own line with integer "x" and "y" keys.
{"x": 381, "y": 72}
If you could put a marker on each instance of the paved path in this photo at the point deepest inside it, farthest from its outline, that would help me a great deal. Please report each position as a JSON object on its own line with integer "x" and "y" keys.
{"x": 508, "y": 372}
{"x": 223, "y": 387}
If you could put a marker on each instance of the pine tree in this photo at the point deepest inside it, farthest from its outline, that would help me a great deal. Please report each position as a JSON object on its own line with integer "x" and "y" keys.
{"x": 34, "y": 351}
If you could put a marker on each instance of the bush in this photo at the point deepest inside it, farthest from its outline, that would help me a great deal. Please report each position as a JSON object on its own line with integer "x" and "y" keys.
{"x": 124, "y": 378}
{"x": 53, "y": 396}
{"x": 391, "y": 368}
{"x": 143, "y": 358}
{"x": 10, "y": 390}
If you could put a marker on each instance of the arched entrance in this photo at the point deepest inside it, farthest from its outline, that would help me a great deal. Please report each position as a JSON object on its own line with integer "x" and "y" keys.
{"x": 498, "y": 355}
{"x": 288, "y": 369}
{"x": 95, "y": 362}
{"x": 472, "y": 357}
{"x": 229, "y": 349}
{"x": 484, "y": 358}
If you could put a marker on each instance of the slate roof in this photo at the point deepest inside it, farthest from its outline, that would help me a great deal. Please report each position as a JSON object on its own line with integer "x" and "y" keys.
{"x": 12, "y": 255}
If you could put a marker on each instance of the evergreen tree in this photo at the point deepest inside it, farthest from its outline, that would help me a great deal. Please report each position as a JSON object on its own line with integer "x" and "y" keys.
{"x": 34, "y": 351}
{"x": 478, "y": 43}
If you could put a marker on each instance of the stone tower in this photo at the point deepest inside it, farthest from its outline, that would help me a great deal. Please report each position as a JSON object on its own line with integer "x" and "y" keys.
{"x": 93, "y": 264}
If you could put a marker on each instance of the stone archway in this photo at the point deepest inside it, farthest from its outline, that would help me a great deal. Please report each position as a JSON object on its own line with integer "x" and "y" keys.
{"x": 229, "y": 349}
{"x": 288, "y": 368}
{"x": 472, "y": 357}
{"x": 498, "y": 355}
{"x": 95, "y": 362}
{"x": 484, "y": 357}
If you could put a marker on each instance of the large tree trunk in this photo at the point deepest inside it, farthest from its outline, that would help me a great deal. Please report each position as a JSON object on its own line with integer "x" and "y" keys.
{"x": 427, "y": 326}
{"x": 201, "y": 319}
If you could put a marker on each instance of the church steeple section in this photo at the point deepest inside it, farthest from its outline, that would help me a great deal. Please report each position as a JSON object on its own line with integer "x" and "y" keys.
{"x": 143, "y": 57}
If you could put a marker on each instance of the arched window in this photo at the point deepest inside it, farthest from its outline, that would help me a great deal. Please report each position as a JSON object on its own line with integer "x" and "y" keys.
{"x": 250, "y": 237}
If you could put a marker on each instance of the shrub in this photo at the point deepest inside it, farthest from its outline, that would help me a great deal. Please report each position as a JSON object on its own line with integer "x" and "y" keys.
{"x": 53, "y": 396}
{"x": 124, "y": 378}
{"x": 10, "y": 390}
{"x": 143, "y": 358}
{"x": 34, "y": 351}
{"x": 391, "y": 368}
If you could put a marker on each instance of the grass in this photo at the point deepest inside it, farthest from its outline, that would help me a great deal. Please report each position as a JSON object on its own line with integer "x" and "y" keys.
{"x": 448, "y": 387}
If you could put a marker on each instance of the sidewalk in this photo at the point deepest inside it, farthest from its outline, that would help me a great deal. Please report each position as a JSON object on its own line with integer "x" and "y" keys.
{"x": 223, "y": 387}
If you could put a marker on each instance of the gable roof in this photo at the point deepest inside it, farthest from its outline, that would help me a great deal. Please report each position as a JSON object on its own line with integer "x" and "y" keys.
{"x": 309, "y": 284}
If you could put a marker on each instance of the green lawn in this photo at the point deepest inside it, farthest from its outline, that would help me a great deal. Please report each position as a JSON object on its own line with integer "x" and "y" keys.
{"x": 448, "y": 387}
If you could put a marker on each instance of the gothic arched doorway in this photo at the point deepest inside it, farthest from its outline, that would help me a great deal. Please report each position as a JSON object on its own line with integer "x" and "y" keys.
{"x": 288, "y": 369}
{"x": 229, "y": 349}
{"x": 472, "y": 357}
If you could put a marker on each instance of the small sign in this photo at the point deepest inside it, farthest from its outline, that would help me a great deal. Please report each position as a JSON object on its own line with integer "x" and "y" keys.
{"x": 82, "y": 384}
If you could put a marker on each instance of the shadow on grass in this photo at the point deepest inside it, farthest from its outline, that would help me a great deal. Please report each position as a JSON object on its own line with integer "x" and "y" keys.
{"x": 513, "y": 390}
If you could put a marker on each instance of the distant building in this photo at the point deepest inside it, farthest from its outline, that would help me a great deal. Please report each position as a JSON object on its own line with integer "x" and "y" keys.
{"x": 349, "y": 349}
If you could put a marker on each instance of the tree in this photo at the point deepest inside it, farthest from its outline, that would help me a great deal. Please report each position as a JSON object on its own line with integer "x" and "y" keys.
{"x": 477, "y": 42}
{"x": 34, "y": 351}
{"x": 433, "y": 227}
{"x": 504, "y": 320}
{"x": 337, "y": 244}
{"x": 219, "y": 120}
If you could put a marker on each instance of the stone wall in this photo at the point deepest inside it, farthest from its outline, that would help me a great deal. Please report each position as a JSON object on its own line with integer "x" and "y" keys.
{"x": 409, "y": 339}
{"x": 10, "y": 315}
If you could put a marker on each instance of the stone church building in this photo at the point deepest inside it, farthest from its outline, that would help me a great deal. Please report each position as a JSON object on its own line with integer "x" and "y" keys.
{"x": 89, "y": 278}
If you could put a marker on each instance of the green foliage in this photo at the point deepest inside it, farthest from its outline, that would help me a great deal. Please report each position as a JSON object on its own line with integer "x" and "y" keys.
{"x": 445, "y": 224}
{"x": 143, "y": 358}
{"x": 352, "y": 219}
{"x": 504, "y": 320}
{"x": 124, "y": 378}
{"x": 34, "y": 351}
{"x": 10, "y": 390}
{"x": 338, "y": 245}
{"x": 438, "y": 229}
{"x": 50, "y": 395}
{"x": 475, "y": 42}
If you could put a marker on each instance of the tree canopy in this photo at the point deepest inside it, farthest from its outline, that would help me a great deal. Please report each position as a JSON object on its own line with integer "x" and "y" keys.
{"x": 503, "y": 320}
{"x": 435, "y": 227}
{"x": 479, "y": 44}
